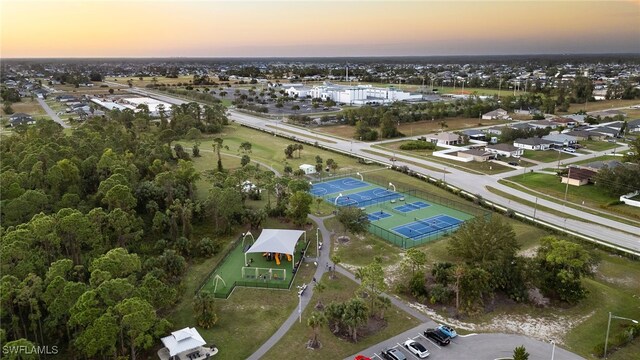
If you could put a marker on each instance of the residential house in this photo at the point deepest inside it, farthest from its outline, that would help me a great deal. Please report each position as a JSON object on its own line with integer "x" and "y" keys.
{"x": 533, "y": 143}
{"x": 504, "y": 150}
{"x": 521, "y": 126}
{"x": 599, "y": 165}
{"x": 605, "y": 131}
{"x": 474, "y": 134}
{"x": 528, "y": 111}
{"x": 543, "y": 124}
{"x": 578, "y": 118}
{"x": 498, "y": 114}
{"x": 578, "y": 176}
{"x": 475, "y": 154}
{"x": 566, "y": 122}
{"x": 21, "y": 119}
{"x": 561, "y": 139}
{"x": 633, "y": 126}
{"x": 582, "y": 134}
{"x": 496, "y": 130}
{"x": 445, "y": 138}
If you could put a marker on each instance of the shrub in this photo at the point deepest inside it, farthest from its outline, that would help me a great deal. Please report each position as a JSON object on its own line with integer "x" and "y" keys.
{"x": 418, "y": 145}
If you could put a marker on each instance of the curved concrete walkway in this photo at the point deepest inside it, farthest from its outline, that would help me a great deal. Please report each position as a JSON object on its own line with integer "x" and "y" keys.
{"x": 323, "y": 261}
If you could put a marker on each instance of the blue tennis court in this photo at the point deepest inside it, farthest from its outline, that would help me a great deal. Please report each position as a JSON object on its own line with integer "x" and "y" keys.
{"x": 375, "y": 216}
{"x": 412, "y": 206}
{"x": 366, "y": 198}
{"x": 424, "y": 227}
{"x": 334, "y": 186}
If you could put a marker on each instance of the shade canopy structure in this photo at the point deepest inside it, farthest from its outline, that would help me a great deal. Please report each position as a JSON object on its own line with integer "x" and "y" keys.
{"x": 183, "y": 340}
{"x": 277, "y": 241}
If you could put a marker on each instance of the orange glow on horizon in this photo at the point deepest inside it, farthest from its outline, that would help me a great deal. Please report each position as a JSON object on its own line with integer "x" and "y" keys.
{"x": 315, "y": 28}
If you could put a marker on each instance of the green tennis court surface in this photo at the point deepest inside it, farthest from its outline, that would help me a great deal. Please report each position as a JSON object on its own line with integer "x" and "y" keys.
{"x": 404, "y": 218}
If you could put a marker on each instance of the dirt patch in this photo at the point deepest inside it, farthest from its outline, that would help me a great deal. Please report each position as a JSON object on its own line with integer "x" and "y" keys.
{"x": 529, "y": 253}
{"x": 393, "y": 272}
{"x": 343, "y": 239}
{"x": 541, "y": 328}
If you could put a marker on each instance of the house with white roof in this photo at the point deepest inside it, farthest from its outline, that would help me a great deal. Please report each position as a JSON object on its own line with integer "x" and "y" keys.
{"x": 185, "y": 344}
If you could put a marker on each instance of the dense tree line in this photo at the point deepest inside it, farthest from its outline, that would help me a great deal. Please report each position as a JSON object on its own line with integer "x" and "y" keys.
{"x": 98, "y": 227}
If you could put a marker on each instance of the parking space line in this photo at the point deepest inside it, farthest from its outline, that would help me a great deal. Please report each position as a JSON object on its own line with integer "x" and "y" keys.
{"x": 376, "y": 356}
{"x": 429, "y": 340}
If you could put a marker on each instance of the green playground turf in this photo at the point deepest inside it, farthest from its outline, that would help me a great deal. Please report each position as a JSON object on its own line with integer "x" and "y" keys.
{"x": 230, "y": 270}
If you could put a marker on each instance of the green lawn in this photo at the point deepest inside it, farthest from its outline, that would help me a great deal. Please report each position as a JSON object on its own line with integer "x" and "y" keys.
{"x": 400, "y": 162}
{"x": 551, "y": 185}
{"x": 546, "y": 156}
{"x": 293, "y": 344}
{"x": 598, "y": 158}
{"x": 605, "y": 296}
{"x": 596, "y": 145}
{"x": 270, "y": 150}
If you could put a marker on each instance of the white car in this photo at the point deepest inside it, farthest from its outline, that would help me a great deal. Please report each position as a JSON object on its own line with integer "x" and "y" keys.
{"x": 416, "y": 348}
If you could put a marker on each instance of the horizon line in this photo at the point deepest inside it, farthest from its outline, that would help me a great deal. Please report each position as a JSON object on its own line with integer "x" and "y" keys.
{"x": 317, "y": 56}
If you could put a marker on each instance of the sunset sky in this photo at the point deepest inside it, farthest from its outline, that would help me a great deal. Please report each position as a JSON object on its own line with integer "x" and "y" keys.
{"x": 209, "y": 28}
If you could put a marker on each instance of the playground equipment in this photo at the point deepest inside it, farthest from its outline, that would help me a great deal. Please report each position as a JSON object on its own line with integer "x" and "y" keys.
{"x": 277, "y": 259}
{"x": 289, "y": 257}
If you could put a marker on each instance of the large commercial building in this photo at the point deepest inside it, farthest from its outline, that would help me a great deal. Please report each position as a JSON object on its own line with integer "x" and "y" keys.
{"x": 354, "y": 95}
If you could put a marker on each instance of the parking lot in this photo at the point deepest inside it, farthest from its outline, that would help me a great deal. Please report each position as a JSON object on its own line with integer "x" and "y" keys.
{"x": 469, "y": 347}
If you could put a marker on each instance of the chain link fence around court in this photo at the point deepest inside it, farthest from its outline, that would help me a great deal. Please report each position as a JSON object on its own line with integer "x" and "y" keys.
{"x": 397, "y": 239}
{"x": 383, "y": 181}
{"x": 405, "y": 242}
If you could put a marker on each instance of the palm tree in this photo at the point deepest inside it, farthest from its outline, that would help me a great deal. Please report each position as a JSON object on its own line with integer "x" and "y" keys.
{"x": 217, "y": 145}
{"x": 319, "y": 288}
{"x": 315, "y": 322}
{"x": 334, "y": 312}
{"x": 355, "y": 315}
{"x": 383, "y": 304}
{"x": 335, "y": 259}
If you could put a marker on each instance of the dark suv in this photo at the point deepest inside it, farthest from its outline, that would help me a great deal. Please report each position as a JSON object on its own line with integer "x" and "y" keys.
{"x": 438, "y": 336}
{"x": 393, "y": 354}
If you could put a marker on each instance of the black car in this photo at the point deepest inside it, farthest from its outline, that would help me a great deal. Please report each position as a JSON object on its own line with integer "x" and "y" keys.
{"x": 438, "y": 336}
{"x": 393, "y": 354}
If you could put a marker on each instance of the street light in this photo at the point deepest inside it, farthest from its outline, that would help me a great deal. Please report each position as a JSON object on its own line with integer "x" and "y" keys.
{"x": 318, "y": 242}
{"x": 606, "y": 340}
{"x": 300, "y": 306}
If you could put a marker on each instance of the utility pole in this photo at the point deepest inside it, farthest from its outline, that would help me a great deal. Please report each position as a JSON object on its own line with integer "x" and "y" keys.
{"x": 566, "y": 190}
